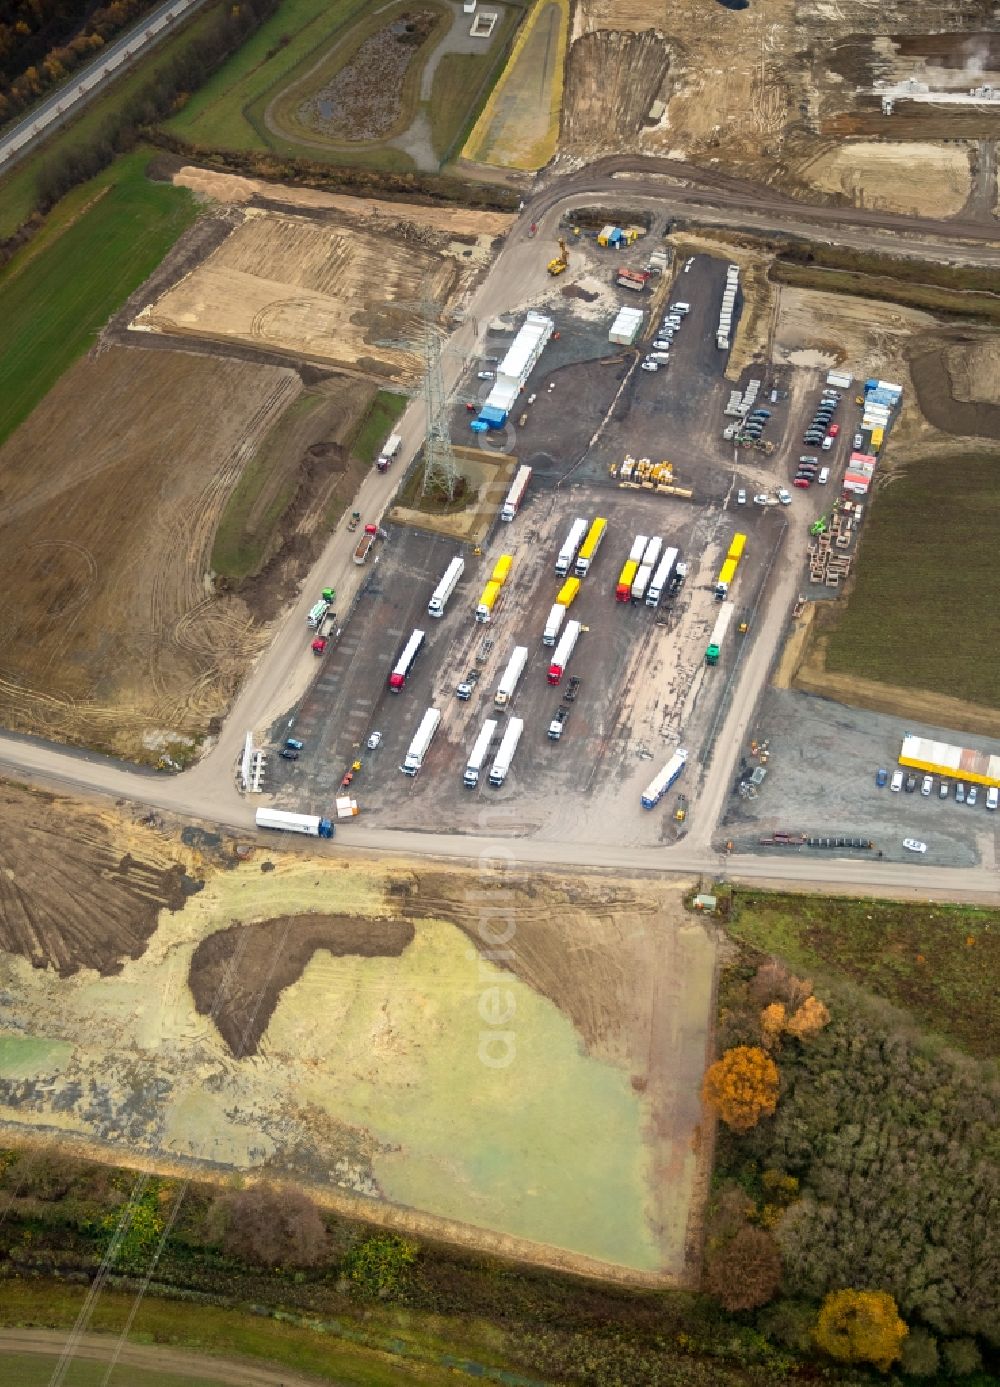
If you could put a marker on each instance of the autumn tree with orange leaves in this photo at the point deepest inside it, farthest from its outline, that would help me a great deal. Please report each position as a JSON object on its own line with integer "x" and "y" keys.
{"x": 860, "y": 1327}
{"x": 742, "y": 1087}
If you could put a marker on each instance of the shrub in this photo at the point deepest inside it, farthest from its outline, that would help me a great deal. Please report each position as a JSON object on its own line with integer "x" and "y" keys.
{"x": 742, "y": 1087}
{"x": 270, "y": 1226}
{"x": 962, "y": 1357}
{"x": 377, "y": 1268}
{"x": 920, "y": 1357}
{"x": 860, "y": 1327}
{"x": 745, "y": 1272}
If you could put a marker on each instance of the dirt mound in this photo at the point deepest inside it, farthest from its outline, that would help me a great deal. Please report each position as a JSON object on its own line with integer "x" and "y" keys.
{"x": 69, "y": 898}
{"x": 611, "y": 82}
{"x": 237, "y": 975}
{"x": 936, "y": 372}
{"x": 974, "y": 371}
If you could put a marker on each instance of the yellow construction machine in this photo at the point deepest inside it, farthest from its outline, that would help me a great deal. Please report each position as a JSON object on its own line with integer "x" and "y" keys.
{"x": 556, "y": 266}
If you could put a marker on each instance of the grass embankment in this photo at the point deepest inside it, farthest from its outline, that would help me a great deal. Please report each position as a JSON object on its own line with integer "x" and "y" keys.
{"x": 925, "y": 608}
{"x": 224, "y": 1334}
{"x": 217, "y": 114}
{"x": 932, "y": 298}
{"x": 18, "y": 194}
{"x": 27, "y": 1370}
{"x": 60, "y": 290}
{"x": 385, "y": 410}
{"x": 462, "y": 86}
{"x": 938, "y": 962}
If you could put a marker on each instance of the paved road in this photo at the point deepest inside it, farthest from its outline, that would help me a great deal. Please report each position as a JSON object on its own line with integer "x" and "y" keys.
{"x": 208, "y": 791}
{"x": 85, "y": 84}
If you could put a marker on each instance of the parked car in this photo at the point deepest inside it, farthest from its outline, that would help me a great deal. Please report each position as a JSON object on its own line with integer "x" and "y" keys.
{"x": 293, "y": 744}
{"x": 881, "y": 777}
{"x": 911, "y": 784}
{"x": 760, "y": 414}
{"x": 992, "y": 797}
{"x": 927, "y": 785}
{"x": 897, "y": 782}
{"x": 287, "y": 755}
{"x": 784, "y": 496}
{"x": 808, "y": 457}
{"x": 661, "y": 344}
{"x": 914, "y": 845}
{"x": 374, "y": 741}
{"x": 803, "y": 483}
{"x": 944, "y": 789}
{"x": 650, "y": 366}
{"x": 827, "y": 444}
{"x": 760, "y": 499}
{"x": 824, "y": 476}
{"x": 741, "y": 497}
{"x": 959, "y": 792}
{"x": 485, "y": 375}
{"x": 971, "y": 793}
{"x": 833, "y": 430}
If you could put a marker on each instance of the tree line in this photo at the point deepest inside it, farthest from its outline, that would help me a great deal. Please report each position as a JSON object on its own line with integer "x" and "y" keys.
{"x": 42, "y": 41}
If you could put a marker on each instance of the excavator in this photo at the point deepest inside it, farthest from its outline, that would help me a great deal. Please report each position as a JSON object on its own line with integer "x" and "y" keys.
{"x": 556, "y": 266}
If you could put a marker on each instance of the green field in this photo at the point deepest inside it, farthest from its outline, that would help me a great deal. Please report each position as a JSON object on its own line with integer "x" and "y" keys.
{"x": 35, "y": 1370}
{"x": 938, "y": 962}
{"x": 925, "y": 610}
{"x": 385, "y": 410}
{"x": 60, "y": 291}
{"x": 215, "y": 114}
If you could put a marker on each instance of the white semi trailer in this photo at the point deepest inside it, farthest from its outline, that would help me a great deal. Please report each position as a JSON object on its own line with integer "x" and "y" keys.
{"x": 505, "y": 753}
{"x": 312, "y": 825}
{"x": 477, "y": 757}
{"x": 510, "y": 677}
{"x": 660, "y": 579}
{"x": 571, "y": 546}
{"x": 422, "y": 739}
{"x": 447, "y": 585}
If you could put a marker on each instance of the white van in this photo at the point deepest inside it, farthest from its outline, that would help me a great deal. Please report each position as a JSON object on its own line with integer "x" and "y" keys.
{"x": 824, "y": 476}
{"x": 896, "y": 783}
{"x": 992, "y": 797}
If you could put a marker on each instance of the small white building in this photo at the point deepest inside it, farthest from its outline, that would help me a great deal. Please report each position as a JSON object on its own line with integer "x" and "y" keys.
{"x": 627, "y": 326}
{"x": 517, "y": 365}
{"x": 469, "y": 6}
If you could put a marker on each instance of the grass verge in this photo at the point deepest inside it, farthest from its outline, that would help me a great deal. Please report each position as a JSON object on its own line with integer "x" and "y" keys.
{"x": 383, "y": 413}
{"x": 927, "y": 554}
{"x": 937, "y": 962}
{"x": 215, "y": 115}
{"x": 35, "y": 1370}
{"x": 222, "y": 1333}
{"x": 932, "y": 298}
{"x": 56, "y": 295}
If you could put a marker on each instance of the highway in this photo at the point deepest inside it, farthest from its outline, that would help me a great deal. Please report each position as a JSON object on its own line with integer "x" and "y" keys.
{"x": 88, "y": 81}
{"x": 208, "y": 793}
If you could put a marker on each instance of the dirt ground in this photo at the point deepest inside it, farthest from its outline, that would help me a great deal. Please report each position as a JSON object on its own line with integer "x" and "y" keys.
{"x": 112, "y": 635}
{"x": 535, "y": 1094}
{"x": 317, "y": 288}
{"x": 933, "y": 180}
{"x": 238, "y": 975}
{"x": 974, "y": 370}
{"x": 488, "y": 480}
{"x": 233, "y": 188}
{"x": 89, "y": 898}
{"x": 953, "y": 380}
{"x": 769, "y": 88}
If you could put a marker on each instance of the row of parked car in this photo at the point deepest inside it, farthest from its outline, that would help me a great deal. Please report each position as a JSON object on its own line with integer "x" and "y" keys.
{"x": 822, "y": 431}
{"x": 671, "y": 325}
{"x": 964, "y": 794}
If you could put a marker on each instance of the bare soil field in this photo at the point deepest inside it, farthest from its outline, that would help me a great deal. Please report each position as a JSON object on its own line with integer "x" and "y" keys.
{"x": 315, "y": 289}
{"x": 766, "y": 89}
{"x": 511, "y": 1062}
{"x": 112, "y": 635}
{"x": 934, "y": 180}
{"x": 953, "y": 383}
{"x": 89, "y": 898}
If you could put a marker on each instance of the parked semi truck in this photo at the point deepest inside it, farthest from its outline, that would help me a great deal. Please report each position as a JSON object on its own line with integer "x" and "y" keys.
{"x": 487, "y": 601}
{"x": 447, "y": 585}
{"x": 660, "y": 580}
{"x": 563, "y": 651}
{"x": 479, "y": 752}
{"x": 316, "y": 614}
{"x": 389, "y": 452}
{"x": 571, "y": 546}
{"x": 557, "y": 615}
{"x": 510, "y": 677}
{"x": 514, "y": 497}
{"x": 659, "y": 786}
{"x": 505, "y": 753}
{"x": 677, "y": 581}
{"x": 729, "y": 567}
{"x": 590, "y": 546}
{"x": 403, "y": 667}
{"x": 568, "y": 592}
{"x": 310, "y": 824}
{"x": 638, "y": 549}
{"x": 641, "y": 581}
{"x": 501, "y": 570}
{"x": 366, "y": 543}
{"x": 623, "y": 592}
{"x": 652, "y": 551}
{"x": 422, "y": 739}
{"x": 719, "y": 633}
